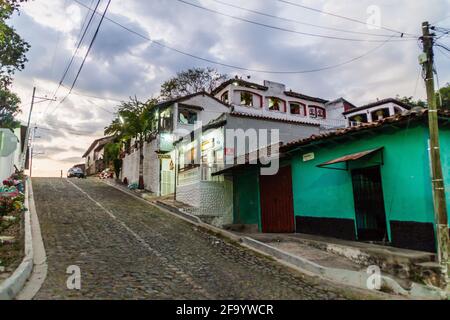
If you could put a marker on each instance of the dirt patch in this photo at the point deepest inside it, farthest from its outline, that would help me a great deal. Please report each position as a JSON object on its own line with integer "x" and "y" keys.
{"x": 11, "y": 251}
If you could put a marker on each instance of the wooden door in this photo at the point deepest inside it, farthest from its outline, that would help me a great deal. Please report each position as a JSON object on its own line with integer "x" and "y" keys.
{"x": 369, "y": 204}
{"x": 277, "y": 210}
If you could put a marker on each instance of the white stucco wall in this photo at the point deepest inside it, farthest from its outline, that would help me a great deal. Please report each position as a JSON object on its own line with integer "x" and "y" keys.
{"x": 151, "y": 166}
{"x": 130, "y": 168}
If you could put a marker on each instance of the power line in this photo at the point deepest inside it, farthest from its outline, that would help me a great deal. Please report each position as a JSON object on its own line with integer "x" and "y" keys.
{"x": 90, "y": 45}
{"x": 160, "y": 44}
{"x": 299, "y": 22}
{"x": 281, "y": 28}
{"x": 86, "y": 55}
{"x": 343, "y": 17}
{"x": 79, "y": 42}
{"x": 97, "y": 97}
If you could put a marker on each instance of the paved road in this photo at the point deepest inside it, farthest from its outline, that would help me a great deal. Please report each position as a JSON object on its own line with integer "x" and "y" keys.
{"x": 127, "y": 249}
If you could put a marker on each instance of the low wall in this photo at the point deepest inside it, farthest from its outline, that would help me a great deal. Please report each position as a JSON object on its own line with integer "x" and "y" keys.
{"x": 211, "y": 199}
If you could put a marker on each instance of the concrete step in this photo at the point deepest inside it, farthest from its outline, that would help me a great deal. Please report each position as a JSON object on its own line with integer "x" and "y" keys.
{"x": 401, "y": 263}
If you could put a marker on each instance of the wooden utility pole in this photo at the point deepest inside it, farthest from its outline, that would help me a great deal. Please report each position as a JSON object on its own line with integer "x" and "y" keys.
{"x": 440, "y": 207}
{"x": 27, "y": 135}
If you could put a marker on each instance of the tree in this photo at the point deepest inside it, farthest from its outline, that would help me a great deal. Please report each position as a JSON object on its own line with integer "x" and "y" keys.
{"x": 9, "y": 108}
{"x": 112, "y": 153}
{"x": 410, "y": 101}
{"x": 13, "y": 48}
{"x": 134, "y": 121}
{"x": 444, "y": 94}
{"x": 191, "y": 81}
{"x": 12, "y": 58}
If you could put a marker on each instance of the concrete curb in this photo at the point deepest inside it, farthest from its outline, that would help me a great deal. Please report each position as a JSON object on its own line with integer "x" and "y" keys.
{"x": 14, "y": 284}
{"x": 40, "y": 267}
{"x": 352, "y": 278}
{"x": 356, "y": 279}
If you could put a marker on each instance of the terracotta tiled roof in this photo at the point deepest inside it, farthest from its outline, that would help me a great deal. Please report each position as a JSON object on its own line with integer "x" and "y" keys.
{"x": 260, "y": 117}
{"x": 187, "y": 97}
{"x": 406, "y": 116}
{"x": 304, "y": 97}
{"x": 241, "y": 83}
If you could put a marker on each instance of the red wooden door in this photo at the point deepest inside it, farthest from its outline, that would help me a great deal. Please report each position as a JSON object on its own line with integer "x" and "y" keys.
{"x": 277, "y": 210}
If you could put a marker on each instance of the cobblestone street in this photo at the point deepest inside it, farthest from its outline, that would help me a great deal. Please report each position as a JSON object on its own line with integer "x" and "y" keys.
{"x": 127, "y": 249}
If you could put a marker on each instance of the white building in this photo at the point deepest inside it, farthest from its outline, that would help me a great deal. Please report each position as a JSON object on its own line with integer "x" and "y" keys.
{"x": 176, "y": 118}
{"x": 94, "y": 156}
{"x": 273, "y": 100}
{"x": 375, "y": 111}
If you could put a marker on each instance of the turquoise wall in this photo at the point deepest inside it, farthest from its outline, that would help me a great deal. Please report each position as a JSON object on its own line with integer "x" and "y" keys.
{"x": 405, "y": 175}
{"x": 246, "y": 197}
{"x": 445, "y": 160}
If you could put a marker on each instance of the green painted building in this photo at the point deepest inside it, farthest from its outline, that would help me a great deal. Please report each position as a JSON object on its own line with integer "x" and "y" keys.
{"x": 366, "y": 183}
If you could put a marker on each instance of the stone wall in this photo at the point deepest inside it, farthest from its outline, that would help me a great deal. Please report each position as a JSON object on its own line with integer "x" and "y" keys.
{"x": 211, "y": 200}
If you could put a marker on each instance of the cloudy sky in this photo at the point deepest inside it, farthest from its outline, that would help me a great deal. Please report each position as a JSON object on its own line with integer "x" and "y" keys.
{"x": 121, "y": 63}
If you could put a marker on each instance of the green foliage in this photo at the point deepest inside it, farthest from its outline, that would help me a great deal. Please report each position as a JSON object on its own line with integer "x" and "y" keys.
{"x": 444, "y": 94}
{"x": 414, "y": 103}
{"x": 191, "y": 81}
{"x": 9, "y": 108}
{"x": 117, "y": 164}
{"x": 12, "y": 58}
{"x": 134, "y": 120}
{"x": 112, "y": 151}
{"x": 12, "y": 47}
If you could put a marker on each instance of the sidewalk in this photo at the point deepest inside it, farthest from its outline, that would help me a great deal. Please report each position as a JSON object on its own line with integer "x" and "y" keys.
{"x": 337, "y": 260}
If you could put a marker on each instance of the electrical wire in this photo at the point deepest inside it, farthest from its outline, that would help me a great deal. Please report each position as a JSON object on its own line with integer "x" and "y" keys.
{"x": 281, "y": 28}
{"x": 85, "y": 56}
{"x": 299, "y": 22}
{"x": 160, "y": 44}
{"x": 80, "y": 40}
{"x": 79, "y": 43}
{"x": 343, "y": 17}
{"x": 90, "y": 45}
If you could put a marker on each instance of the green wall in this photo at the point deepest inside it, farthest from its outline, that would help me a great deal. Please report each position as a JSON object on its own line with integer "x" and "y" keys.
{"x": 405, "y": 175}
{"x": 445, "y": 160}
{"x": 246, "y": 197}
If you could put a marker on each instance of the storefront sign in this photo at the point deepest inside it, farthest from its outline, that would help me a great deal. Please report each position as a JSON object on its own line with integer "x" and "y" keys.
{"x": 164, "y": 156}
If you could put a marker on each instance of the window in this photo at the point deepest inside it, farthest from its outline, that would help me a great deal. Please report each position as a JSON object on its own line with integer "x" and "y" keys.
{"x": 317, "y": 112}
{"x": 297, "y": 108}
{"x": 246, "y": 99}
{"x": 274, "y": 104}
{"x": 380, "y": 114}
{"x": 224, "y": 98}
{"x": 187, "y": 159}
{"x": 187, "y": 117}
{"x": 358, "y": 119}
{"x": 320, "y": 113}
{"x": 165, "y": 121}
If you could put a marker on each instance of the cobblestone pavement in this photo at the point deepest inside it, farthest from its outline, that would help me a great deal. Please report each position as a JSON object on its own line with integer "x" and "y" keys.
{"x": 127, "y": 249}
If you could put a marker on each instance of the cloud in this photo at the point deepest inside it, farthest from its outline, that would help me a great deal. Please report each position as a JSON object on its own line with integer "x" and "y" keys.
{"x": 122, "y": 64}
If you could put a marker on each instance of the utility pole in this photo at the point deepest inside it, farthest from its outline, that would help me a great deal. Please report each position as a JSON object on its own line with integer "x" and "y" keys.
{"x": 440, "y": 207}
{"x": 27, "y": 136}
{"x": 28, "y": 139}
